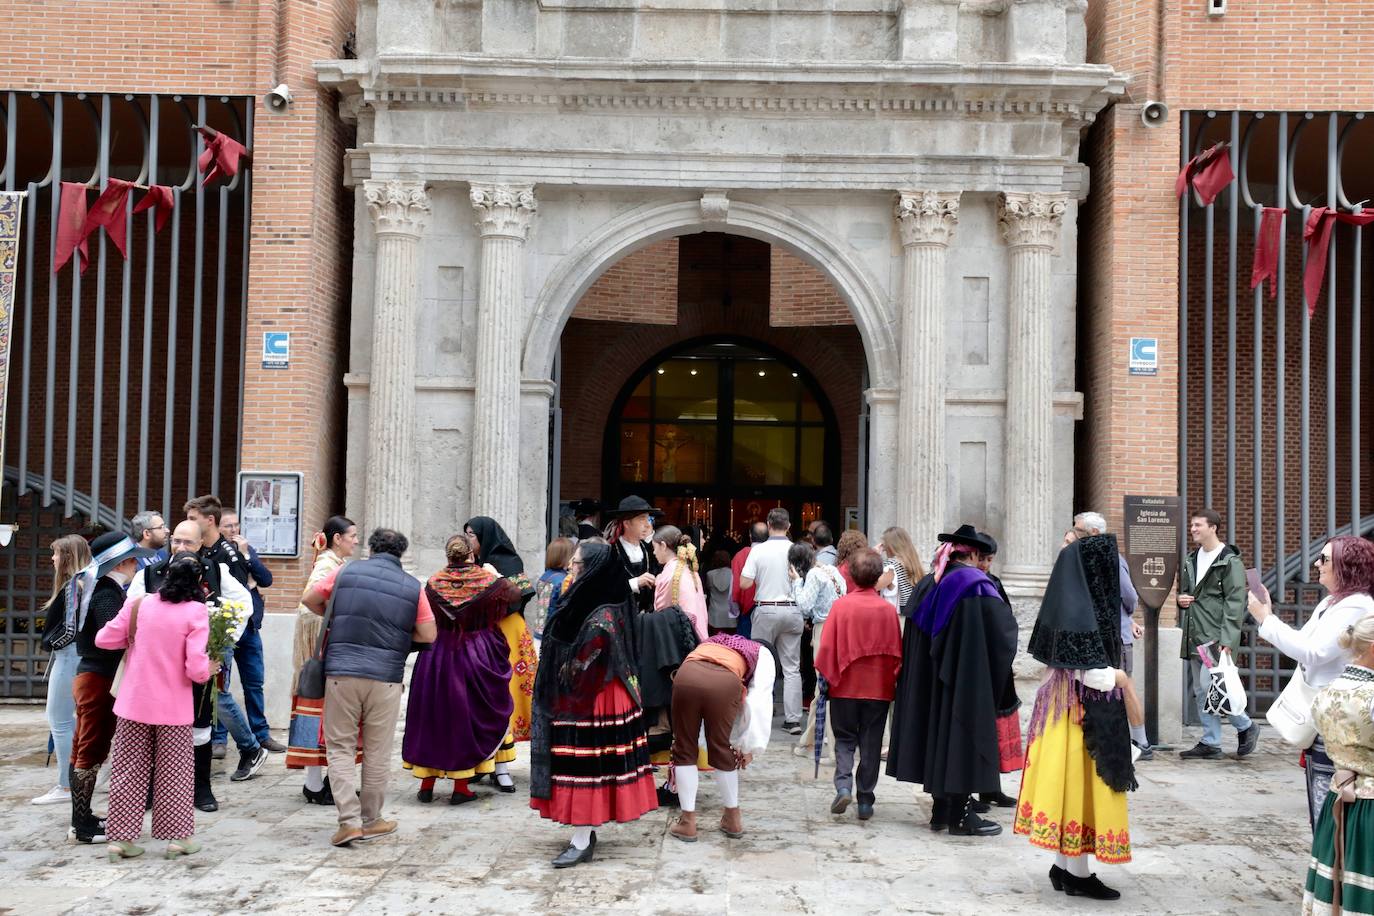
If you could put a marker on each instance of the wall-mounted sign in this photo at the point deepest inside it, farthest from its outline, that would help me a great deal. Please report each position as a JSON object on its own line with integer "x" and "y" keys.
{"x": 276, "y": 350}
{"x": 270, "y": 512}
{"x": 1152, "y": 529}
{"x": 1144, "y": 356}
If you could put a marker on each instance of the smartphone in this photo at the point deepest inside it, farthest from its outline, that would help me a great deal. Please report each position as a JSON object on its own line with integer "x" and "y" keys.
{"x": 1252, "y": 578}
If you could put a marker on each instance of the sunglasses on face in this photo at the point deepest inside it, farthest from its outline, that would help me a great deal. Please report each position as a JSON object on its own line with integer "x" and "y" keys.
{"x": 1322, "y": 560}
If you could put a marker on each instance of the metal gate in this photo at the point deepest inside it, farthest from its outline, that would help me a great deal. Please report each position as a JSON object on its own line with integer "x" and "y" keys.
{"x": 1271, "y": 401}
{"x": 125, "y": 382}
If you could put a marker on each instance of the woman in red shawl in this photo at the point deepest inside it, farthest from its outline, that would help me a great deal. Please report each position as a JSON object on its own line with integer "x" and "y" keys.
{"x": 460, "y": 701}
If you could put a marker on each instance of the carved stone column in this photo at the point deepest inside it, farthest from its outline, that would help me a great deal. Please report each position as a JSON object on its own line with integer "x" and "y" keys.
{"x": 926, "y": 220}
{"x": 399, "y": 210}
{"x": 1031, "y": 225}
{"x": 504, "y": 214}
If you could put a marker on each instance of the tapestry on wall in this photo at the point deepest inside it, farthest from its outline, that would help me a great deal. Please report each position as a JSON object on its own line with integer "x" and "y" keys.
{"x": 11, "y": 209}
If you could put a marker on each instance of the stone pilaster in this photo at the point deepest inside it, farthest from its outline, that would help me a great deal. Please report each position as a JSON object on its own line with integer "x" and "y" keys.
{"x": 881, "y": 462}
{"x": 504, "y": 214}
{"x": 1031, "y": 225}
{"x": 399, "y": 210}
{"x": 926, "y": 220}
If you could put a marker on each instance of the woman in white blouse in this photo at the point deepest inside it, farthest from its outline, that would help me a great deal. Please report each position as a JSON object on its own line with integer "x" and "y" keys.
{"x": 1345, "y": 569}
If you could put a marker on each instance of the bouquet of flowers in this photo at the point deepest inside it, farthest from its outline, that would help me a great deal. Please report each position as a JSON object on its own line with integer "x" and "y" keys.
{"x": 226, "y": 622}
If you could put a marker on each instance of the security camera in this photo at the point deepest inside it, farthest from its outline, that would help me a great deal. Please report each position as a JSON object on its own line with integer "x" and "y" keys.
{"x": 278, "y": 100}
{"x": 1154, "y": 114}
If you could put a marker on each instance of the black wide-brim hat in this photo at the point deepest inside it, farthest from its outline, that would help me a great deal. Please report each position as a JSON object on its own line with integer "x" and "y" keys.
{"x": 631, "y": 506}
{"x": 113, "y": 548}
{"x": 968, "y": 536}
{"x": 581, "y": 507}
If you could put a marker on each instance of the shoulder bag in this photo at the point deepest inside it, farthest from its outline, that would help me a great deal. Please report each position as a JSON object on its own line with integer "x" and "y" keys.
{"x": 124, "y": 659}
{"x": 1291, "y": 714}
{"x": 310, "y": 684}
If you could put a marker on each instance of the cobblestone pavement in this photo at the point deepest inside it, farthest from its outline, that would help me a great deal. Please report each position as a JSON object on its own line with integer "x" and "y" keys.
{"x": 1209, "y": 837}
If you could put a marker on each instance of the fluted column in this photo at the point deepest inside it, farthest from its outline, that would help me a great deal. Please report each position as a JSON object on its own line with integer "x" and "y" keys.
{"x": 399, "y": 210}
{"x": 504, "y": 214}
{"x": 926, "y": 220}
{"x": 1031, "y": 225}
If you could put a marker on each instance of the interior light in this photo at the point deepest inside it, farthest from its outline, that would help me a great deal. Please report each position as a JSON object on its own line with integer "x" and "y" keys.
{"x": 694, "y": 372}
{"x": 794, "y": 375}
{"x": 660, "y": 372}
{"x": 762, "y": 373}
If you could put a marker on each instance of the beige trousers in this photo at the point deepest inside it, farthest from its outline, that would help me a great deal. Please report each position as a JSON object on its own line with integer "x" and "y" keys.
{"x": 348, "y": 703}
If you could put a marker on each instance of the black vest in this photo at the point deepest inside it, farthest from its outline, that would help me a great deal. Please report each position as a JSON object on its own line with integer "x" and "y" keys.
{"x": 375, "y": 603}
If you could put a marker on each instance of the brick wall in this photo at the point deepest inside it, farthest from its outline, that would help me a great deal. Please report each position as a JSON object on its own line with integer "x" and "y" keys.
{"x": 640, "y": 287}
{"x": 799, "y": 295}
{"x": 300, "y": 238}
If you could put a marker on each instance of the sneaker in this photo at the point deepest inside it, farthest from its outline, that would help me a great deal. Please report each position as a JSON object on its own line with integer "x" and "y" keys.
{"x": 274, "y": 746}
{"x": 219, "y": 751}
{"x": 86, "y": 836}
{"x": 249, "y": 764}
{"x": 1247, "y": 740}
{"x": 841, "y": 802}
{"x": 1202, "y": 751}
{"x": 792, "y": 728}
{"x": 54, "y": 796}
{"x": 865, "y": 810}
{"x": 1143, "y": 751}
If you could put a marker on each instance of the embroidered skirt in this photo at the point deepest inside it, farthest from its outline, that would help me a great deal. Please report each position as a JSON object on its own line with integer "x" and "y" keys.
{"x": 1357, "y": 876}
{"x": 1065, "y": 806}
{"x": 305, "y": 739}
{"x": 524, "y": 662}
{"x": 600, "y": 765}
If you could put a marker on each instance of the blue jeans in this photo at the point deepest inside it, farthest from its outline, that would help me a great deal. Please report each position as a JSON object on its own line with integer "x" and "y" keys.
{"x": 744, "y": 625}
{"x": 248, "y": 654}
{"x": 61, "y": 708}
{"x": 231, "y": 716}
{"x": 1211, "y": 725}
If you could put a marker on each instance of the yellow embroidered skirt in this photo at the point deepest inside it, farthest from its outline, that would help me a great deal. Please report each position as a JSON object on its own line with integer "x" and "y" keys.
{"x": 1064, "y": 805}
{"x": 523, "y": 664}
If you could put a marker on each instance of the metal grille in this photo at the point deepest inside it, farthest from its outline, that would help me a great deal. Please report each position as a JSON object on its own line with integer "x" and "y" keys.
{"x": 1272, "y": 402}
{"x": 126, "y": 381}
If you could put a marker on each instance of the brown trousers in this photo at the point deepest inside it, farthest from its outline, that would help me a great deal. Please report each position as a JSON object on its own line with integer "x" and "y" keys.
{"x": 95, "y": 720}
{"x": 705, "y": 692}
{"x": 375, "y": 705}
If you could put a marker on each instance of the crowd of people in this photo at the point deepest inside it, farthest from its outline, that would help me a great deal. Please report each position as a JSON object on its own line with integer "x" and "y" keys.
{"x": 628, "y": 670}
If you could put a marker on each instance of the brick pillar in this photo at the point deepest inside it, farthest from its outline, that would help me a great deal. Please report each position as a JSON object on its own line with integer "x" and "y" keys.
{"x": 504, "y": 214}
{"x": 399, "y": 210}
{"x": 1031, "y": 225}
{"x": 926, "y": 220}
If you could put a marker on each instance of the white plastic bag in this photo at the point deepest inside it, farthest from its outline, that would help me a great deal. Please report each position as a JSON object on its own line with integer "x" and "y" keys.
{"x": 1226, "y": 692}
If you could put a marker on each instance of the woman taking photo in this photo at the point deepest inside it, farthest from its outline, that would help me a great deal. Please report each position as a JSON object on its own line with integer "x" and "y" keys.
{"x": 679, "y": 584}
{"x": 305, "y": 740}
{"x": 589, "y": 754}
{"x": 1345, "y": 569}
{"x": 165, "y": 634}
{"x": 1341, "y": 876}
{"x": 70, "y": 555}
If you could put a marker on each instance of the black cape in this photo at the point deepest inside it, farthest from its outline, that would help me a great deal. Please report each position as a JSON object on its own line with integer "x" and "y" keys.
{"x": 944, "y": 724}
{"x": 644, "y": 598}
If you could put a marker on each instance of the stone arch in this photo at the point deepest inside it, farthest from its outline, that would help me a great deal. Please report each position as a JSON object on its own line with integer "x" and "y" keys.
{"x": 654, "y": 222}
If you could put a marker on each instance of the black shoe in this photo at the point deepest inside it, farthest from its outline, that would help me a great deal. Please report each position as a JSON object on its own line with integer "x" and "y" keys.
{"x": 87, "y": 835}
{"x": 274, "y": 746}
{"x": 841, "y": 802}
{"x": 973, "y": 825}
{"x": 792, "y": 728}
{"x": 865, "y": 810}
{"x": 1248, "y": 739}
{"x": 510, "y": 789}
{"x": 205, "y": 799}
{"x": 1202, "y": 751}
{"x": 574, "y": 856}
{"x": 425, "y": 796}
{"x": 1090, "y": 886}
{"x": 939, "y": 814}
{"x": 461, "y": 798}
{"x": 1057, "y": 876}
{"x": 322, "y": 797}
{"x": 667, "y": 798}
{"x": 1000, "y": 799}
{"x": 979, "y": 806}
{"x": 1146, "y": 752}
{"x": 249, "y": 764}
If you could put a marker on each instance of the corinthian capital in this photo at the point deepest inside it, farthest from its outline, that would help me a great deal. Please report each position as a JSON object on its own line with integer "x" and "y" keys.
{"x": 504, "y": 209}
{"x": 927, "y": 217}
{"x": 397, "y": 206}
{"x": 1032, "y": 220}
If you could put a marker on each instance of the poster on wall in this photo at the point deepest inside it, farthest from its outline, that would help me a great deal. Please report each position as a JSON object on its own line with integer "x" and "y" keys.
{"x": 270, "y": 511}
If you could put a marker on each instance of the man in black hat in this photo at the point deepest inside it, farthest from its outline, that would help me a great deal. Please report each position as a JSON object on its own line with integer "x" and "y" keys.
{"x": 101, "y": 586}
{"x": 956, "y": 662}
{"x": 631, "y": 528}
{"x": 586, "y": 512}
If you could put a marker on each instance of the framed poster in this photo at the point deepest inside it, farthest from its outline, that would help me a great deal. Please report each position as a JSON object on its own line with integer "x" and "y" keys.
{"x": 270, "y": 511}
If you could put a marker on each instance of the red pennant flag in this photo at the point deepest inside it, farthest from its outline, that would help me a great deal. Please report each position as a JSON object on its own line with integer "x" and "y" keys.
{"x": 224, "y": 152}
{"x": 109, "y": 212}
{"x": 159, "y": 199}
{"x": 71, "y": 216}
{"x": 1208, "y": 172}
{"x": 1317, "y": 233}
{"x": 1266, "y": 266}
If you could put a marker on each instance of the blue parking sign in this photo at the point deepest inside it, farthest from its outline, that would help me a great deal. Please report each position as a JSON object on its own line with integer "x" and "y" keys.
{"x": 1144, "y": 356}
{"x": 276, "y": 349}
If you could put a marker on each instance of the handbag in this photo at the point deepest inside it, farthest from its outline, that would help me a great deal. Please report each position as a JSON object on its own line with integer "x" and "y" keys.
{"x": 1291, "y": 714}
{"x": 310, "y": 683}
{"x": 124, "y": 659}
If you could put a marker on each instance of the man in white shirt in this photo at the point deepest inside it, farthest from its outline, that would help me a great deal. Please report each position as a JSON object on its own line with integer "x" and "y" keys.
{"x": 777, "y": 620}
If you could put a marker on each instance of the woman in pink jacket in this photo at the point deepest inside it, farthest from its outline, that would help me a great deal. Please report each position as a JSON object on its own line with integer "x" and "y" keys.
{"x": 166, "y": 633}
{"x": 680, "y": 583}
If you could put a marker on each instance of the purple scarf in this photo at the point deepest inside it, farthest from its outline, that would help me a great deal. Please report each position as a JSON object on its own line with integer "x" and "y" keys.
{"x": 935, "y": 610}
{"x": 747, "y": 648}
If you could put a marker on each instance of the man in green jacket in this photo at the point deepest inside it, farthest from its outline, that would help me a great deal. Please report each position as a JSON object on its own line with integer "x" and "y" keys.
{"x": 1212, "y": 600}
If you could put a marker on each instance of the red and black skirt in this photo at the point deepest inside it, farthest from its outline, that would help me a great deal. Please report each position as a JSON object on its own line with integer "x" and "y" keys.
{"x": 600, "y": 764}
